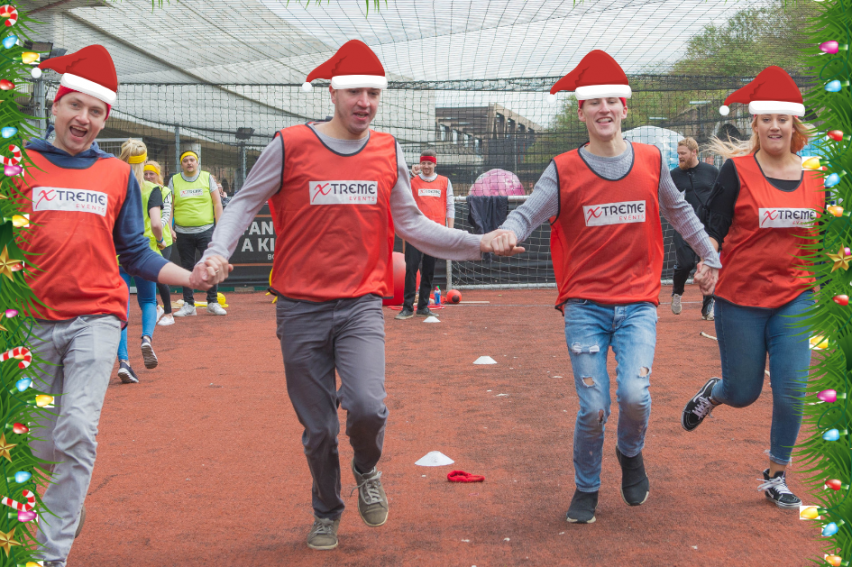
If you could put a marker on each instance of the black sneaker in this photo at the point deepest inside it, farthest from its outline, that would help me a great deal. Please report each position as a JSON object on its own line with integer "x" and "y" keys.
{"x": 776, "y": 490}
{"x": 125, "y": 372}
{"x": 634, "y": 482}
{"x": 406, "y": 313}
{"x": 582, "y": 509}
{"x": 698, "y": 407}
{"x": 426, "y": 312}
{"x": 148, "y": 355}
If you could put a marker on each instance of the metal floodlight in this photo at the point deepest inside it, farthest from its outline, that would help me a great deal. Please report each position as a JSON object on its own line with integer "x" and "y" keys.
{"x": 700, "y": 102}
{"x": 657, "y": 118}
{"x": 244, "y": 133}
{"x": 56, "y": 52}
{"x": 39, "y": 46}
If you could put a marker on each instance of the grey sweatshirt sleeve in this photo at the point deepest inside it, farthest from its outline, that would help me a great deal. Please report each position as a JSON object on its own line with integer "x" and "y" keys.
{"x": 541, "y": 205}
{"x": 682, "y": 217}
{"x": 427, "y": 236}
{"x": 263, "y": 182}
{"x": 451, "y": 202}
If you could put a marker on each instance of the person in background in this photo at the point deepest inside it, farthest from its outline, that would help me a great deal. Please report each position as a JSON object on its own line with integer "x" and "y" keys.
{"x": 152, "y": 175}
{"x": 135, "y": 153}
{"x": 197, "y": 208}
{"x": 695, "y": 180}
{"x": 433, "y": 194}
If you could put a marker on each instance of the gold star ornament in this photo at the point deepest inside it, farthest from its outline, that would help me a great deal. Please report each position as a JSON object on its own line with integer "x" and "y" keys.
{"x": 5, "y": 447}
{"x": 7, "y": 540}
{"x": 841, "y": 259}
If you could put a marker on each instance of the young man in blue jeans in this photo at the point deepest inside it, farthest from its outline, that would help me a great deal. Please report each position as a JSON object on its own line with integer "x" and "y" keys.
{"x": 604, "y": 203}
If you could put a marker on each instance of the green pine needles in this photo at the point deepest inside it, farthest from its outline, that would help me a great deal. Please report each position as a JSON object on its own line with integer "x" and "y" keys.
{"x": 20, "y": 471}
{"x": 827, "y": 450}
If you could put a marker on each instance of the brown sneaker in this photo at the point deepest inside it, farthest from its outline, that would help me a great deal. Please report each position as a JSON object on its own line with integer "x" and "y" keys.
{"x": 323, "y": 534}
{"x": 372, "y": 501}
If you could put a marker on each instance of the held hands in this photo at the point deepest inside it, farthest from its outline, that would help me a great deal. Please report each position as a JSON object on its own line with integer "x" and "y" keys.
{"x": 706, "y": 278}
{"x": 501, "y": 242}
{"x": 212, "y": 271}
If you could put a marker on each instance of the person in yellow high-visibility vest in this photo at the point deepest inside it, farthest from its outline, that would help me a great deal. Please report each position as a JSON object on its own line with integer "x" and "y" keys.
{"x": 197, "y": 207}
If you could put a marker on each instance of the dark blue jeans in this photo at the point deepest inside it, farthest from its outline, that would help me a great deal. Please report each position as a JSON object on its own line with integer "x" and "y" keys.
{"x": 746, "y": 335}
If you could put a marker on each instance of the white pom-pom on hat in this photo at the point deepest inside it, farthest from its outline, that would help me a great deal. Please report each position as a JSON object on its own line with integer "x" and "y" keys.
{"x": 307, "y": 87}
{"x": 551, "y": 98}
{"x": 724, "y": 110}
{"x": 36, "y": 73}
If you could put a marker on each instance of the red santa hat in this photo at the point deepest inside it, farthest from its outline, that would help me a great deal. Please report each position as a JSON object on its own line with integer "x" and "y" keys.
{"x": 354, "y": 66}
{"x": 598, "y": 75}
{"x": 773, "y": 91}
{"x": 89, "y": 71}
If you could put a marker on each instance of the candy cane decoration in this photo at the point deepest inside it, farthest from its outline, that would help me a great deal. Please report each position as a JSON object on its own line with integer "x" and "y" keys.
{"x": 6, "y": 501}
{"x": 21, "y": 353}
{"x": 16, "y": 156}
{"x": 10, "y": 13}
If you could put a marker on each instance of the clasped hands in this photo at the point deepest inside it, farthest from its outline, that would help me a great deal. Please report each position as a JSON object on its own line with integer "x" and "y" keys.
{"x": 212, "y": 271}
{"x": 706, "y": 278}
{"x": 501, "y": 243}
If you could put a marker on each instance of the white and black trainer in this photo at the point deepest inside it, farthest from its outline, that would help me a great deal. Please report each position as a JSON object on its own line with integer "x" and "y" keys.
{"x": 676, "y": 304}
{"x": 698, "y": 407}
{"x": 776, "y": 490}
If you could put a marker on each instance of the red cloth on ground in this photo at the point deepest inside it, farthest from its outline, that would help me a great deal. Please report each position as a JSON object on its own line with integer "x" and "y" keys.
{"x": 461, "y": 476}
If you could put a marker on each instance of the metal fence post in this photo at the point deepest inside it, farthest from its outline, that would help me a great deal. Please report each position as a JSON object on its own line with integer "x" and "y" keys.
{"x": 177, "y": 148}
{"x": 449, "y": 275}
{"x": 41, "y": 110}
{"x": 242, "y": 178}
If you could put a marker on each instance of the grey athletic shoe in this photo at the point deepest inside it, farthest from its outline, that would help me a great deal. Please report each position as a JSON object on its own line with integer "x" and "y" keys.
{"x": 372, "y": 501}
{"x": 187, "y": 310}
{"x": 125, "y": 372}
{"x": 323, "y": 534}
{"x": 676, "y": 306}
{"x": 405, "y": 314}
{"x": 148, "y": 355}
{"x": 216, "y": 309}
{"x": 708, "y": 314}
{"x": 426, "y": 312}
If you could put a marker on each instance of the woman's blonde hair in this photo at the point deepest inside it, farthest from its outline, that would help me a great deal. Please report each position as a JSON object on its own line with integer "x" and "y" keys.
{"x": 159, "y": 169}
{"x": 134, "y": 148}
{"x": 733, "y": 148}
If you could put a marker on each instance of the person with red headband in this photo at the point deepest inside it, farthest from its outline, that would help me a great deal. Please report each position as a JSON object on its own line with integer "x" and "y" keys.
{"x": 338, "y": 191}
{"x": 433, "y": 194}
{"x": 761, "y": 212}
{"x": 85, "y": 207}
{"x": 604, "y": 202}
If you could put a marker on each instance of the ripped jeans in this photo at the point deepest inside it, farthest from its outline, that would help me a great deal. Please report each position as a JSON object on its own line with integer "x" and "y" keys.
{"x": 590, "y": 329}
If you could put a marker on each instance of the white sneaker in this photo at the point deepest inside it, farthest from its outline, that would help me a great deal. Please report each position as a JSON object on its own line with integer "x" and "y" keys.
{"x": 676, "y": 306}
{"x": 166, "y": 320}
{"x": 160, "y": 311}
{"x": 215, "y": 309}
{"x": 187, "y": 310}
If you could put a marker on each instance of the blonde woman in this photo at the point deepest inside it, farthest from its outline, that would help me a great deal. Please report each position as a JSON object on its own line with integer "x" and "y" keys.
{"x": 135, "y": 153}
{"x": 760, "y": 206}
{"x": 153, "y": 175}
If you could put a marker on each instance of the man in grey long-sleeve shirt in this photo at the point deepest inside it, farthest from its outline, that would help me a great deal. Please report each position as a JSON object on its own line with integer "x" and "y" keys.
{"x": 604, "y": 202}
{"x": 336, "y": 199}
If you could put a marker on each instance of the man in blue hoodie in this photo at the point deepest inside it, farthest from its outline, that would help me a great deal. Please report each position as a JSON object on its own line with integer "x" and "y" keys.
{"x": 86, "y": 209}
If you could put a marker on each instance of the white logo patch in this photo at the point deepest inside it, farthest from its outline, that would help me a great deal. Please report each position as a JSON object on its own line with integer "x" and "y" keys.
{"x": 786, "y": 217}
{"x": 184, "y": 193}
{"x": 614, "y": 213}
{"x": 72, "y": 200}
{"x": 429, "y": 192}
{"x": 343, "y": 192}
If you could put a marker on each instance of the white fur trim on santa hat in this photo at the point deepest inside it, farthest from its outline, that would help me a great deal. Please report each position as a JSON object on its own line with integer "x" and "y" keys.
{"x": 359, "y": 82}
{"x": 85, "y": 86}
{"x": 776, "y": 107}
{"x": 602, "y": 91}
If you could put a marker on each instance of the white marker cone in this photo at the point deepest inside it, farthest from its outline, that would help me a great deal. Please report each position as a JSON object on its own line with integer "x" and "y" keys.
{"x": 431, "y": 319}
{"x": 434, "y": 459}
{"x": 485, "y": 360}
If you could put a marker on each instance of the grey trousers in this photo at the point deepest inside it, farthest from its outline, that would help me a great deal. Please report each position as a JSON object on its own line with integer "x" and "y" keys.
{"x": 316, "y": 338}
{"x": 83, "y": 352}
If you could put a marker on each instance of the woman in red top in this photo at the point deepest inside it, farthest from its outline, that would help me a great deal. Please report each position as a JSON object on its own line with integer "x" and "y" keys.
{"x": 761, "y": 205}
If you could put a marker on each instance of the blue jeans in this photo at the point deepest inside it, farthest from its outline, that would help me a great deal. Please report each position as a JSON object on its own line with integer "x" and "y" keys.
{"x": 746, "y": 335}
{"x": 590, "y": 329}
{"x": 146, "y": 295}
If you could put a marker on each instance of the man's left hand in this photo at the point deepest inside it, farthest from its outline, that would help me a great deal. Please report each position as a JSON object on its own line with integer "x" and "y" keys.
{"x": 706, "y": 278}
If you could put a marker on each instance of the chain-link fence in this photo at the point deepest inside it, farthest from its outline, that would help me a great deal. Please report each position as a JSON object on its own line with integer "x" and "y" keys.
{"x": 474, "y": 126}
